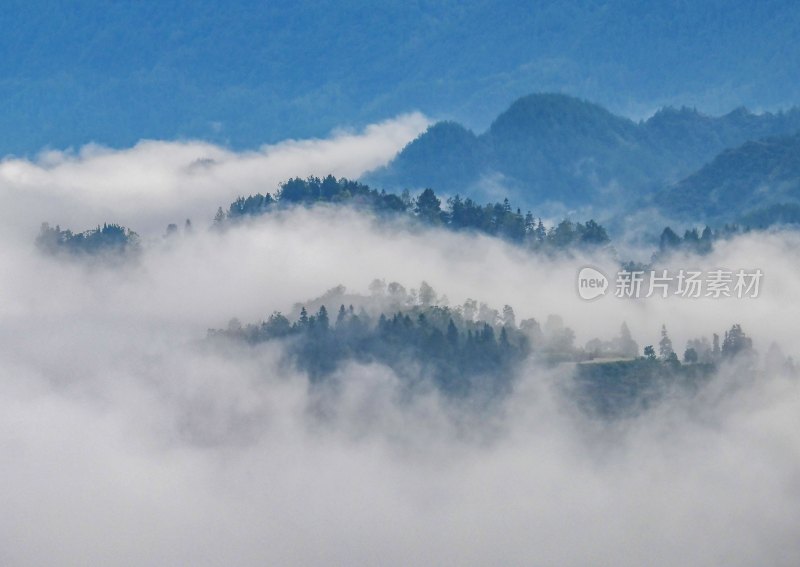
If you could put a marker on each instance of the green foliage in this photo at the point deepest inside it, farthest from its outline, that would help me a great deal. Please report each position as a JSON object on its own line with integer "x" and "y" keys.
{"x": 106, "y": 239}
{"x": 459, "y": 356}
{"x": 252, "y": 205}
{"x": 736, "y": 342}
{"x": 497, "y": 219}
{"x": 311, "y": 191}
{"x": 472, "y": 350}
{"x": 624, "y": 388}
{"x": 692, "y": 242}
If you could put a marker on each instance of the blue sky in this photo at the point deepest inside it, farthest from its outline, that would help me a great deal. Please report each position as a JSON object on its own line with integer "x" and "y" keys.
{"x": 244, "y": 73}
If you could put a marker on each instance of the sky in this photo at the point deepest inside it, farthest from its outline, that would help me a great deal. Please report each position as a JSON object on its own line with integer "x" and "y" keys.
{"x": 242, "y": 73}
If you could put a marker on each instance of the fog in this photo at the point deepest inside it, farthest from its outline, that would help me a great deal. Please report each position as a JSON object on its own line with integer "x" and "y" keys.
{"x": 125, "y": 439}
{"x": 159, "y": 182}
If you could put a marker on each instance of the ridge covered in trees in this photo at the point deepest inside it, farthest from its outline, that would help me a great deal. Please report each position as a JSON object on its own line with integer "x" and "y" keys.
{"x": 471, "y": 349}
{"x": 462, "y": 352}
{"x": 108, "y": 238}
{"x": 459, "y": 214}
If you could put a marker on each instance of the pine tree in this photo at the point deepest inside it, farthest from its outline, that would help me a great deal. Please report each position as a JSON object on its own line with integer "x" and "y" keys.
{"x": 322, "y": 319}
{"x": 665, "y": 345}
{"x": 219, "y": 218}
{"x": 508, "y": 316}
{"x": 452, "y": 334}
{"x": 669, "y": 240}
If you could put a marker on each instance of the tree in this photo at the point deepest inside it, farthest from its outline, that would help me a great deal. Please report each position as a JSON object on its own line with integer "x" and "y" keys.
{"x": 377, "y": 288}
{"x": 530, "y": 225}
{"x": 540, "y": 233}
{"x": 427, "y": 296}
{"x": 665, "y": 345}
{"x": 303, "y": 320}
{"x": 329, "y": 188}
{"x": 322, "y": 318}
{"x": 690, "y": 356}
{"x": 428, "y": 207}
{"x": 509, "y": 318}
{"x": 592, "y": 234}
{"x": 706, "y": 241}
{"x": 736, "y": 342}
{"x": 504, "y": 344}
{"x": 340, "y": 317}
{"x": 669, "y": 240}
{"x": 452, "y": 334}
{"x": 649, "y": 352}
{"x": 627, "y": 347}
{"x": 563, "y": 235}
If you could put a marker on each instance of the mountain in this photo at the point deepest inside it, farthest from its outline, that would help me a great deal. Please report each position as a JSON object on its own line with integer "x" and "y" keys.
{"x": 558, "y": 148}
{"x": 429, "y": 164}
{"x": 757, "y": 183}
{"x": 248, "y": 72}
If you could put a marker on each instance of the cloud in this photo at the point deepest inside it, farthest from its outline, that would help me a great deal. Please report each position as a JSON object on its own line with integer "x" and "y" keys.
{"x": 158, "y": 182}
{"x": 125, "y": 440}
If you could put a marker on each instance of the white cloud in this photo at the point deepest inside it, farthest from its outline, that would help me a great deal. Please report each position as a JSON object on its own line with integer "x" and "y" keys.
{"x": 123, "y": 441}
{"x": 158, "y": 182}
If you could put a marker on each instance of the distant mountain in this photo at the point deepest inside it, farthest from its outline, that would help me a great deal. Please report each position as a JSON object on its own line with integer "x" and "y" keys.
{"x": 553, "y": 147}
{"x": 247, "y": 72}
{"x": 757, "y": 183}
{"x": 446, "y": 155}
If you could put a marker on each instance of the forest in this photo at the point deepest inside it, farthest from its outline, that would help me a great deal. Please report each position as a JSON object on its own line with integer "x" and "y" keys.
{"x": 457, "y": 213}
{"x": 111, "y": 239}
{"x": 473, "y": 351}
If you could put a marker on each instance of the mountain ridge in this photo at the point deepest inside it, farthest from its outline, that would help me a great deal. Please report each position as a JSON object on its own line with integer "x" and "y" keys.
{"x": 740, "y": 183}
{"x": 551, "y": 147}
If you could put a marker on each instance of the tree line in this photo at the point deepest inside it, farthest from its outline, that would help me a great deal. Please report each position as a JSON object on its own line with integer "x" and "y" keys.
{"x": 460, "y": 357}
{"x": 457, "y": 213}
{"x": 108, "y": 238}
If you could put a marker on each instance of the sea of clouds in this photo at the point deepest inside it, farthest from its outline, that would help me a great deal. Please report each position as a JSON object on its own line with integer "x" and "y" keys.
{"x": 127, "y": 440}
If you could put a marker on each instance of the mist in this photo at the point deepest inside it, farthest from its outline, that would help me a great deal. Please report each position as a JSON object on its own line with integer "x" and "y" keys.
{"x": 157, "y": 182}
{"x": 125, "y": 439}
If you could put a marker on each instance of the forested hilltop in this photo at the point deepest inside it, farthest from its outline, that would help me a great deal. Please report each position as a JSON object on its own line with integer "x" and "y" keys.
{"x": 469, "y": 351}
{"x": 109, "y": 239}
{"x": 473, "y": 350}
{"x": 500, "y": 220}
{"x": 459, "y": 214}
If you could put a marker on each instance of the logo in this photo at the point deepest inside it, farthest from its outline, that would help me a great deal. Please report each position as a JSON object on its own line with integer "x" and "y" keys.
{"x": 592, "y": 283}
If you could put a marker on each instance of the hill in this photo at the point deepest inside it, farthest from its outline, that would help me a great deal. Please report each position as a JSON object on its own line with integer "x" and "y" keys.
{"x": 757, "y": 183}
{"x": 554, "y": 147}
